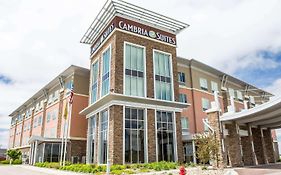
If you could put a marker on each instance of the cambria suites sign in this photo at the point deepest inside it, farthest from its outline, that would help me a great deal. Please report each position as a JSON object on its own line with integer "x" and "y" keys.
{"x": 136, "y": 28}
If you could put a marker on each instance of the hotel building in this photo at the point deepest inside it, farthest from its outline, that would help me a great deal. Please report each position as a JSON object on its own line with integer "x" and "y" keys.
{"x": 37, "y": 125}
{"x": 146, "y": 103}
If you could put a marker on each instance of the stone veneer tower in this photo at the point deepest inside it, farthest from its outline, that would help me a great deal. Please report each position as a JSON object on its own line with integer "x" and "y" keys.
{"x": 134, "y": 112}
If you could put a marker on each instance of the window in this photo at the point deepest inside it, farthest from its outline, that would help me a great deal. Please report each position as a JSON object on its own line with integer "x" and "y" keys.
{"x": 203, "y": 84}
{"x": 184, "y": 125}
{"x": 252, "y": 100}
{"x": 48, "y": 117}
{"x": 231, "y": 92}
{"x": 50, "y": 100}
{"x": 35, "y": 123}
{"x": 68, "y": 86}
{"x": 183, "y": 98}
{"x": 239, "y": 95}
{"x": 162, "y": 70}
{"x": 181, "y": 77}
{"x": 134, "y": 135}
{"x": 165, "y": 137}
{"x": 214, "y": 86}
{"x": 56, "y": 95}
{"x": 54, "y": 114}
{"x": 205, "y": 104}
{"x": 53, "y": 132}
{"x": 103, "y": 137}
{"x": 41, "y": 104}
{"x": 92, "y": 136}
{"x": 94, "y": 93}
{"x": 105, "y": 72}
{"x": 206, "y": 127}
{"x": 40, "y": 120}
{"x": 134, "y": 70}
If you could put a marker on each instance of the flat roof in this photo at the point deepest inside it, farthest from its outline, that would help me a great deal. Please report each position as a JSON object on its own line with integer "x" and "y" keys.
{"x": 124, "y": 9}
{"x": 52, "y": 83}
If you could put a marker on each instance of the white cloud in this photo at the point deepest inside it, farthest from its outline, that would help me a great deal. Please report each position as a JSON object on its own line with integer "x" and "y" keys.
{"x": 275, "y": 88}
{"x": 39, "y": 39}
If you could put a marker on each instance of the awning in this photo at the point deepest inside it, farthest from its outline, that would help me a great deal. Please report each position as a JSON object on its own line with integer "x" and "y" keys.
{"x": 125, "y": 100}
{"x": 267, "y": 115}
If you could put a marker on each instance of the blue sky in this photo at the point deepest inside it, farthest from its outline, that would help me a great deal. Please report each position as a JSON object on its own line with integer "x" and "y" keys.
{"x": 39, "y": 39}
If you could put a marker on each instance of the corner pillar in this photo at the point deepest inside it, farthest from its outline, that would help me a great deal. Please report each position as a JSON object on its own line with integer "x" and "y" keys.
{"x": 214, "y": 122}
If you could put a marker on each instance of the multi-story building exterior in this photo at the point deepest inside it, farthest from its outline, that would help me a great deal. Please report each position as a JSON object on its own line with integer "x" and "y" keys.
{"x": 37, "y": 125}
{"x": 146, "y": 103}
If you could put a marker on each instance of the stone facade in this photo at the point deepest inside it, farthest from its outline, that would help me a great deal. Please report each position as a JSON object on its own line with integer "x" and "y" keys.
{"x": 268, "y": 146}
{"x": 151, "y": 135}
{"x": 233, "y": 145}
{"x": 257, "y": 140}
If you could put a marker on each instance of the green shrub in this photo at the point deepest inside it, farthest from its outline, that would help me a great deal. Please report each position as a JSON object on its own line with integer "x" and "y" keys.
{"x": 204, "y": 168}
{"x": 5, "y": 162}
{"x": 117, "y": 167}
{"x": 17, "y": 162}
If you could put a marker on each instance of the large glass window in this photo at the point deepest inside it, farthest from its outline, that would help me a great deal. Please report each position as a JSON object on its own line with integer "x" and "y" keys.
{"x": 134, "y": 135}
{"x": 103, "y": 137}
{"x": 162, "y": 68}
{"x": 239, "y": 95}
{"x": 231, "y": 92}
{"x": 134, "y": 70}
{"x": 165, "y": 136}
{"x": 92, "y": 136}
{"x": 52, "y": 152}
{"x": 105, "y": 72}
{"x": 94, "y": 93}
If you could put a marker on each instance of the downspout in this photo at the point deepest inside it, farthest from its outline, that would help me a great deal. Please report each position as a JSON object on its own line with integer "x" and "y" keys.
{"x": 192, "y": 94}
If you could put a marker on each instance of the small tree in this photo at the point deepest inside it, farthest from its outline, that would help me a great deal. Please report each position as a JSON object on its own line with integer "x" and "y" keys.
{"x": 207, "y": 148}
{"x": 13, "y": 154}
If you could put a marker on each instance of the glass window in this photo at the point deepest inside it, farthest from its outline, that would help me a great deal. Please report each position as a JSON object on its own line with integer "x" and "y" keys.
{"x": 203, "y": 84}
{"x": 214, "y": 86}
{"x": 252, "y": 100}
{"x": 181, "y": 77}
{"x": 239, "y": 95}
{"x": 92, "y": 136}
{"x": 134, "y": 70}
{"x": 50, "y": 100}
{"x": 35, "y": 123}
{"x": 185, "y": 124}
{"x": 183, "y": 98}
{"x": 40, "y": 120}
{"x": 103, "y": 137}
{"x": 48, "y": 117}
{"x": 95, "y": 69}
{"x": 105, "y": 72}
{"x": 134, "y": 135}
{"x": 162, "y": 71}
{"x": 54, "y": 114}
{"x": 165, "y": 137}
{"x": 56, "y": 95}
{"x": 205, "y": 104}
{"x": 231, "y": 92}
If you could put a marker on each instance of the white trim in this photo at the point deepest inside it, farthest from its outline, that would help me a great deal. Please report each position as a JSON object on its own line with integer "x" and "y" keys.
{"x": 175, "y": 137}
{"x": 91, "y": 81}
{"x": 124, "y": 134}
{"x": 130, "y": 104}
{"x": 171, "y": 73}
{"x": 144, "y": 66}
{"x": 146, "y": 137}
{"x": 101, "y": 69}
{"x": 99, "y": 138}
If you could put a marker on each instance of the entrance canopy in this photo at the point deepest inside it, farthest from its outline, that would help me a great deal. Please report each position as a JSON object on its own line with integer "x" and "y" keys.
{"x": 267, "y": 115}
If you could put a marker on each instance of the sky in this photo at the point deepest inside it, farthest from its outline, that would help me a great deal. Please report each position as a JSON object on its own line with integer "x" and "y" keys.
{"x": 39, "y": 39}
